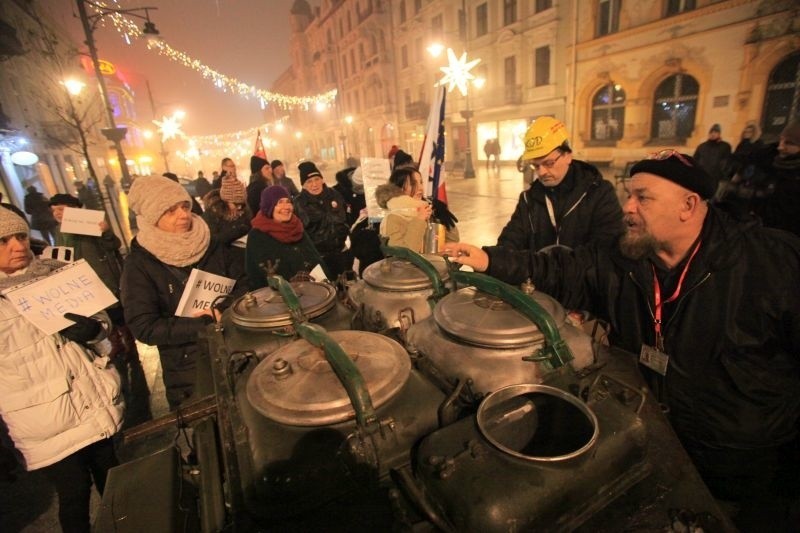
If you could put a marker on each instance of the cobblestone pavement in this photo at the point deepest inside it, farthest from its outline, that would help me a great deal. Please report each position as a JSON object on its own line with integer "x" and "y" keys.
{"x": 482, "y": 205}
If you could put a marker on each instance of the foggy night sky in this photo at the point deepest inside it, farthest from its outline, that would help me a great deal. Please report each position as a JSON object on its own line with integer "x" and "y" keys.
{"x": 245, "y": 39}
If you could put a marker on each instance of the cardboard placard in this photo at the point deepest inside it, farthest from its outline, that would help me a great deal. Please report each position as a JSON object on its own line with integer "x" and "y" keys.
{"x": 82, "y": 221}
{"x": 202, "y": 288}
{"x": 375, "y": 172}
{"x": 74, "y": 288}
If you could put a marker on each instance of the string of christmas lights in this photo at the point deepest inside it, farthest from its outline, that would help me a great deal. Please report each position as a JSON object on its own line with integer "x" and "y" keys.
{"x": 129, "y": 29}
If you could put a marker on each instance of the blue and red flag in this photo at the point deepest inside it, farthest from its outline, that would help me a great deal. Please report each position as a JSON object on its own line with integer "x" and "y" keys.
{"x": 431, "y": 159}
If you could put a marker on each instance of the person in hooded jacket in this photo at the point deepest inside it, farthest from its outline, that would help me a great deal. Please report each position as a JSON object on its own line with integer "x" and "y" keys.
{"x": 407, "y": 214}
{"x": 170, "y": 243}
{"x": 323, "y": 213}
{"x": 569, "y": 203}
{"x": 60, "y": 400}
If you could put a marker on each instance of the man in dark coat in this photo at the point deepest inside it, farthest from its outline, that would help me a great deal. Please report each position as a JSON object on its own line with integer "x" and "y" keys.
{"x": 714, "y": 155}
{"x": 712, "y": 307}
{"x": 323, "y": 213}
{"x": 568, "y": 204}
{"x": 38, "y": 207}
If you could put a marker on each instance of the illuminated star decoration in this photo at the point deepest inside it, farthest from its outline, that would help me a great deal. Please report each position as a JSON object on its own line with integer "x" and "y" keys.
{"x": 457, "y": 72}
{"x": 169, "y": 127}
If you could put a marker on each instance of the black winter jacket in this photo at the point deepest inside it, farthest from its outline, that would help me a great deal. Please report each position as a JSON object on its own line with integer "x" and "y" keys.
{"x": 733, "y": 334}
{"x": 324, "y": 219}
{"x": 586, "y": 210}
{"x": 151, "y": 291}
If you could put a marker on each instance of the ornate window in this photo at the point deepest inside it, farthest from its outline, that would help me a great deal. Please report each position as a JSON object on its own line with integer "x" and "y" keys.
{"x": 674, "y": 107}
{"x": 608, "y": 113}
{"x": 782, "y": 102}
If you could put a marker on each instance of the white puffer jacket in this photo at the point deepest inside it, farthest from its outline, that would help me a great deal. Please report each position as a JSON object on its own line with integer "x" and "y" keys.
{"x": 53, "y": 398}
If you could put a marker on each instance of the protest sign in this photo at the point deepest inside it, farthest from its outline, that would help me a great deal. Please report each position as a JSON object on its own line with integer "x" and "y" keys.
{"x": 82, "y": 221}
{"x": 74, "y": 288}
{"x": 375, "y": 172}
{"x": 201, "y": 290}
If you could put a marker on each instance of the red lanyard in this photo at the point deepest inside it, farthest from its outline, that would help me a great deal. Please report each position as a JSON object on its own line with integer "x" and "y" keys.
{"x": 657, "y": 289}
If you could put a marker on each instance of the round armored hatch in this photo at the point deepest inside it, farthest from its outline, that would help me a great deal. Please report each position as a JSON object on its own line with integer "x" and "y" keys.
{"x": 296, "y": 385}
{"x": 537, "y": 423}
{"x": 396, "y": 274}
{"x": 481, "y": 319}
{"x": 265, "y": 307}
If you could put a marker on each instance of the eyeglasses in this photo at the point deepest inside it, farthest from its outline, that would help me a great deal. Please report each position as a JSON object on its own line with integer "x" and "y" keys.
{"x": 666, "y": 154}
{"x": 550, "y": 163}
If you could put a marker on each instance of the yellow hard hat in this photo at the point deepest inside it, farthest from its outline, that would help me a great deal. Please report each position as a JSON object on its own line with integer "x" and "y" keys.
{"x": 543, "y": 136}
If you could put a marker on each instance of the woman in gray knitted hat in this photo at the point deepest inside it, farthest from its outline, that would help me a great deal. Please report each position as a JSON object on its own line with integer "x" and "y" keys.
{"x": 43, "y": 378}
{"x": 170, "y": 243}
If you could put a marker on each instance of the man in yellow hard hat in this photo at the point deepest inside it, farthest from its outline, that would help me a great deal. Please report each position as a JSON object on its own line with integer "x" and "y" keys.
{"x": 569, "y": 203}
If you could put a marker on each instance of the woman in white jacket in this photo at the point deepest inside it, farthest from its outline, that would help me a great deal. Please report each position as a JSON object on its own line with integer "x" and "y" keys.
{"x": 59, "y": 402}
{"x": 407, "y": 213}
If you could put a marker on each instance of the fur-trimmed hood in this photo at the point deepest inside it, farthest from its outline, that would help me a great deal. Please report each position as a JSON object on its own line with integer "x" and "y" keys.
{"x": 384, "y": 193}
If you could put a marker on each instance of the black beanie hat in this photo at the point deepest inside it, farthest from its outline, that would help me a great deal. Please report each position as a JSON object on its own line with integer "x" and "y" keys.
{"x": 402, "y": 159}
{"x": 308, "y": 170}
{"x": 257, "y": 163}
{"x": 65, "y": 199}
{"x": 673, "y": 169}
{"x": 275, "y": 163}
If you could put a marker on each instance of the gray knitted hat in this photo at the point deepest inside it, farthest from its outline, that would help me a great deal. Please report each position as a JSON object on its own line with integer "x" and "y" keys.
{"x": 151, "y": 196}
{"x": 11, "y": 223}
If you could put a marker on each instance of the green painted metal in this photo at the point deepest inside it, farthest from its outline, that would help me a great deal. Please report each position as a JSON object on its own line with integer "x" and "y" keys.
{"x": 287, "y": 292}
{"x": 555, "y": 351}
{"x": 423, "y": 264}
{"x": 344, "y": 367}
{"x": 345, "y": 370}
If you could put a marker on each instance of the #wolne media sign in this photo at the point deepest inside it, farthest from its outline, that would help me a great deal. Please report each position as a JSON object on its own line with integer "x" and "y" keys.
{"x": 74, "y": 288}
{"x": 202, "y": 288}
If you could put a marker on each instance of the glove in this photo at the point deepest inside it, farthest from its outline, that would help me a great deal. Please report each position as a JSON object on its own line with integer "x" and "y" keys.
{"x": 84, "y": 329}
{"x": 443, "y": 214}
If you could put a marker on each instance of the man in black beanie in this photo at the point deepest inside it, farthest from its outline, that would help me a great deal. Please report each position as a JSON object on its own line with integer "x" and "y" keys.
{"x": 323, "y": 213}
{"x": 714, "y": 154}
{"x": 712, "y": 307}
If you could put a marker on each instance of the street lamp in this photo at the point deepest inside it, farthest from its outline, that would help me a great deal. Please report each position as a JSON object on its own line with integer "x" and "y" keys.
{"x": 112, "y": 132}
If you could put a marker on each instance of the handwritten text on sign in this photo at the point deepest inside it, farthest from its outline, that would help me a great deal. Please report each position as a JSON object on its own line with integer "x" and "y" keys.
{"x": 82, "y": 221}
{"x": 74, "y": 288}
{"x": 202, "y": 288}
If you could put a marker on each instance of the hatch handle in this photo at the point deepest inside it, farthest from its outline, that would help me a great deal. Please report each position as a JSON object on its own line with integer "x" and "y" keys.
{"x": 555, "y": 352}
{"x": 418, "y": 260}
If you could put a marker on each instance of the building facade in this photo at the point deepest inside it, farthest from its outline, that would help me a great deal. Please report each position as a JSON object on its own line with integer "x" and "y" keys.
{"x": 627, "y": 78}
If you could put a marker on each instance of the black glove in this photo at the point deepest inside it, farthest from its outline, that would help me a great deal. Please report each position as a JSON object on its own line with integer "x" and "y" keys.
{"x": 443, "y": 214}
{"x": 83, "y": 330}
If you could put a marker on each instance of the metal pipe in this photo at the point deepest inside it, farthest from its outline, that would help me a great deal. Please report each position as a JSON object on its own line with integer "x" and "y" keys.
{"x": 194, "y": 411}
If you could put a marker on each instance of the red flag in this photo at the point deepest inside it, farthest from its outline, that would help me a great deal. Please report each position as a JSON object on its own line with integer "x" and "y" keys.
{"x": 259, "y": 149}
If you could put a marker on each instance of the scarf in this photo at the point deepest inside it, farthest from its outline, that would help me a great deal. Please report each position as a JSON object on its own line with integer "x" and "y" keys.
{"x": 176, "y": 249}
{"x": 38, "y": 268}
{"x": 285, "y": 232}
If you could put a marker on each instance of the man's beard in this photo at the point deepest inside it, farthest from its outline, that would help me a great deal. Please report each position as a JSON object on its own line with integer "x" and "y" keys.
{"x": 637, "y": 247}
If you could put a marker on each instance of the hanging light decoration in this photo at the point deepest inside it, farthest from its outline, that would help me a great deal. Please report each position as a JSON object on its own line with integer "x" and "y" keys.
{"x": 129, "y": 29}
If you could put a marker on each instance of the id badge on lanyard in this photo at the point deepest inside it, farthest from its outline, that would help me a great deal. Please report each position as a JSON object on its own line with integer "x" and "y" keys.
{"x": 655, "y": 357}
